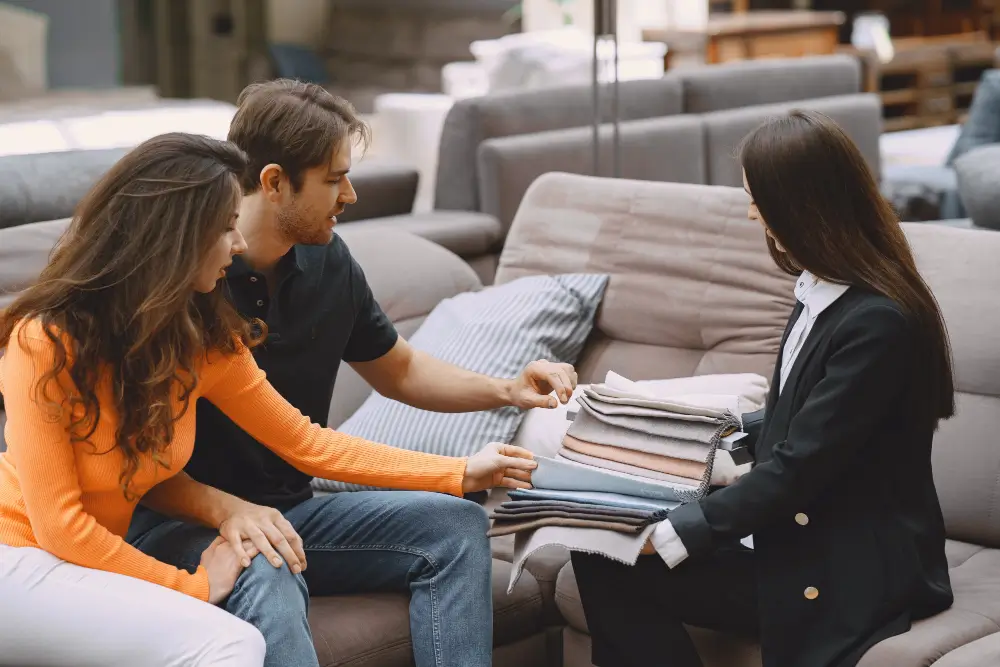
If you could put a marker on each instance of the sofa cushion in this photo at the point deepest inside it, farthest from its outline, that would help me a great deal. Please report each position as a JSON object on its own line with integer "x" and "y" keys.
{"x": 985, "y": 651}
{"x": 374, "y": 629}
{"x": 977, "y": 173}
{"x": 465, "y": 233}
{"x": 692, "y": 290}
{"x": 671, "y": 148}
{"x": 474, "y": 120}
{"x": 46, "y": 186}
{"x": 859, "y": 115}
{"x": 982, "y": 126}
{"x": 497, "y": 332}
{"x": 965, "y": 458}
{"x": 753, "y": 82}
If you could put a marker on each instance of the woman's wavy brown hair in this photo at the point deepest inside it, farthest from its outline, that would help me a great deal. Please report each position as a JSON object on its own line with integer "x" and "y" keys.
{"x": 117, "y": 300}
{"x": 818, "y": 196}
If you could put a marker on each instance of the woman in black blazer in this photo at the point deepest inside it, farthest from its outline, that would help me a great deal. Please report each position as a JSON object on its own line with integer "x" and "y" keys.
{"x": 847, "y": 532}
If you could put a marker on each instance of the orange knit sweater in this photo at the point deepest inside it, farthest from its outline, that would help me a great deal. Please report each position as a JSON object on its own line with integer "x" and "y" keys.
{"x": 66, "y": 498}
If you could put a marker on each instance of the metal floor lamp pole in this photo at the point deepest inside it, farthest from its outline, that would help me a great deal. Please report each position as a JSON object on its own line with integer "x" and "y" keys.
{"x": 606, "y": 24}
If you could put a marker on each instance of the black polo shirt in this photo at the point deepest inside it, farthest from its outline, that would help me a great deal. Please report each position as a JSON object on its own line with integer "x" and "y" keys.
{"x": 322, "y": 311}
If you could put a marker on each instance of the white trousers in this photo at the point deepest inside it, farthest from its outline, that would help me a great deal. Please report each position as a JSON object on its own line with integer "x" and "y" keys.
{"x": 56, "y": 614}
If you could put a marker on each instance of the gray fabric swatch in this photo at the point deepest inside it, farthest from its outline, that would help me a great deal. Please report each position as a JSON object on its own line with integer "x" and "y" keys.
{"x": 518, "y": 506}
{"x": 680, "y": 429}
{"x": 592, "y": 498}
{"x": 544, "y": 514}
{"x": 588, "y": 428}
{"x": 509, "y": 528}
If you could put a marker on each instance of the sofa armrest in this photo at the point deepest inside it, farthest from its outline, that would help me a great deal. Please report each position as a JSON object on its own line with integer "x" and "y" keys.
{"x": 47, "y": 186}
{"x": 669, "y": 148}
{"x": 465, "y": 233}
{"x": 383, "y": 188}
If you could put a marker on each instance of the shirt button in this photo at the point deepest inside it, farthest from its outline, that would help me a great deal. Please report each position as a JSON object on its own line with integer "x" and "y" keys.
{"x": 811, "y": 593}
{"x": 801, "y": 519}
{"x": 253, "y": 279}
{"x": 260, "y": 302}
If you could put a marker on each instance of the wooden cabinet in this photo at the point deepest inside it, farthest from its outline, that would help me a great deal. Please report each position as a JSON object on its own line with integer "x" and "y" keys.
{"x": 752, "y": 35}
{"x": 930, "y": 80}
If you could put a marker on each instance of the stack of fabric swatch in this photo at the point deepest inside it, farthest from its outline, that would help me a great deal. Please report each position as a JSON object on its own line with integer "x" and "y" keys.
{"x": 629, "y": 456}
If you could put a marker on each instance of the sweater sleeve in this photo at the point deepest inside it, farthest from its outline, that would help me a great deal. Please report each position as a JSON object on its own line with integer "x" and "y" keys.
{"x": 40, "y": 449}
{"x": 238, "y": 387}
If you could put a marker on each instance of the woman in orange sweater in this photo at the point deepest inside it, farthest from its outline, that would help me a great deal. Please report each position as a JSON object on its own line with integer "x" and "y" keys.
{"x": 105, "y": 358}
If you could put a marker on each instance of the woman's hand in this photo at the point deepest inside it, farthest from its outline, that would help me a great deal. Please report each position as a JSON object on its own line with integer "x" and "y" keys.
{"x": 223, "y": 566}
{"x": 268, "y": 531}
{"x": 498, "y": 465}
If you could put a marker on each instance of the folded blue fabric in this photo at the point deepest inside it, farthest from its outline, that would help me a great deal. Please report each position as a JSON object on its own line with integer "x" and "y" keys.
{"x": 593, "y": 498}
{"x": 563, "y": 475}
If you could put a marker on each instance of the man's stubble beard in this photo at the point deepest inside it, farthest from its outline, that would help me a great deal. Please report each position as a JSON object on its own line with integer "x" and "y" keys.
{"x": 293, "y": 226}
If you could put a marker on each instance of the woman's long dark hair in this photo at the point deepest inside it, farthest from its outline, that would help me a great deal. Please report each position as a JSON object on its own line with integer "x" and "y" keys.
{"x": 117, "y": 300}
{"x": 818, "y": 197}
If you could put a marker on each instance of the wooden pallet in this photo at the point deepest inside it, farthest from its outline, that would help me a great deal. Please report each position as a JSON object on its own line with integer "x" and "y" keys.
{"x": 929, "y": 81}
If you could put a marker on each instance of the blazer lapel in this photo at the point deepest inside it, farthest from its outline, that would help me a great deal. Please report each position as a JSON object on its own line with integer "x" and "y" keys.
{"x": 818, "y": 333}
{"x": 772, "y": 395}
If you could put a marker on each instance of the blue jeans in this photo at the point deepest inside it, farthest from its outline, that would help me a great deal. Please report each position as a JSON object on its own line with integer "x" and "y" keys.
{"x": 431, "y": 545}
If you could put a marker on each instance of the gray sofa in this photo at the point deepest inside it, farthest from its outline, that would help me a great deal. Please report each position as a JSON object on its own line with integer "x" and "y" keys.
{"x": 474, "y": 178}
{"x": 47, "y": 186}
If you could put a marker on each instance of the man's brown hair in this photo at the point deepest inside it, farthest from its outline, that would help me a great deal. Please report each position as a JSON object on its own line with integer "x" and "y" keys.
{"x": 292, "y": 124}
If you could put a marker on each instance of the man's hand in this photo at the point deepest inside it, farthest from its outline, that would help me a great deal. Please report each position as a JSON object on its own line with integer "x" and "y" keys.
{"x": 538, "y": 380}
{"x": 268, "y": 531}
{"x": 498, "y": 465}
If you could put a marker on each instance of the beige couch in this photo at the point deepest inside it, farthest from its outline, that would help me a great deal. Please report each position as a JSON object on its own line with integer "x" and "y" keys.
{"x": 693, "y": 291}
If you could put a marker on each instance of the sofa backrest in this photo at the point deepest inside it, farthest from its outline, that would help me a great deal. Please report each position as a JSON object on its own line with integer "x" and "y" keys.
{"x": 685, "y": 148}
{"x": 767, "y": 81}
{"x": 668, "y": 148}
{"x": 471, "y": 121}
{"x": 860, "y": 116}
{"x": 694, "y": 291}
{"x": 47, "y": 186}
{"x": 695, "y": 90}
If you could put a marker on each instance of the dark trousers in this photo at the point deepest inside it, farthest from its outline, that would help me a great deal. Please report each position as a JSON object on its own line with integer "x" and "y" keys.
{"x": 636, "y": 614}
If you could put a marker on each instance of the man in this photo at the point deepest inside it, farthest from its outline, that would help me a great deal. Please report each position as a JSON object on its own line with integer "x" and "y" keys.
{"x": 300, "y": 279}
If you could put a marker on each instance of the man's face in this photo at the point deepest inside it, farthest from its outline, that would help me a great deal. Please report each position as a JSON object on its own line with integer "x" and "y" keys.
{"x": 309, "y": 217}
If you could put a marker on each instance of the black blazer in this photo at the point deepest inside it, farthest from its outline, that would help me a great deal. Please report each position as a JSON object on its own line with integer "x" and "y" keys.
{"x": 848, "y": 532}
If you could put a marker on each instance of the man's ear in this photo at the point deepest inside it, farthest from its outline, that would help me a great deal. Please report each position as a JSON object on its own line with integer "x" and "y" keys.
{"x": 271, "y": 177}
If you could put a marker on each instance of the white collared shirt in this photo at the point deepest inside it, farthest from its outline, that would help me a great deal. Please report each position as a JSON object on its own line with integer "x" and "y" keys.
{"x": 815, "y": 295}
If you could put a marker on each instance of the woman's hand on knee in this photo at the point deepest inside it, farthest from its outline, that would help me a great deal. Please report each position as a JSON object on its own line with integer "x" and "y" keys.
{"x": 223, "y": 565}
{"x": 269, "y": 531}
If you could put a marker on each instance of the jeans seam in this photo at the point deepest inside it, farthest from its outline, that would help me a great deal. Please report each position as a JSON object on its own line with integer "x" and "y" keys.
{"x": 378, "y": 547}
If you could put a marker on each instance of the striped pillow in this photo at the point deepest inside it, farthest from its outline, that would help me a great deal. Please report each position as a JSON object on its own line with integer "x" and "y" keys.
{"x": 496, "y": 331}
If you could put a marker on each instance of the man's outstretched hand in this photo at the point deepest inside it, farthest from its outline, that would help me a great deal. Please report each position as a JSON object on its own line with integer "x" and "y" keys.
{"x": 540, "y": 379}
{"x": 496, "y": 465}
